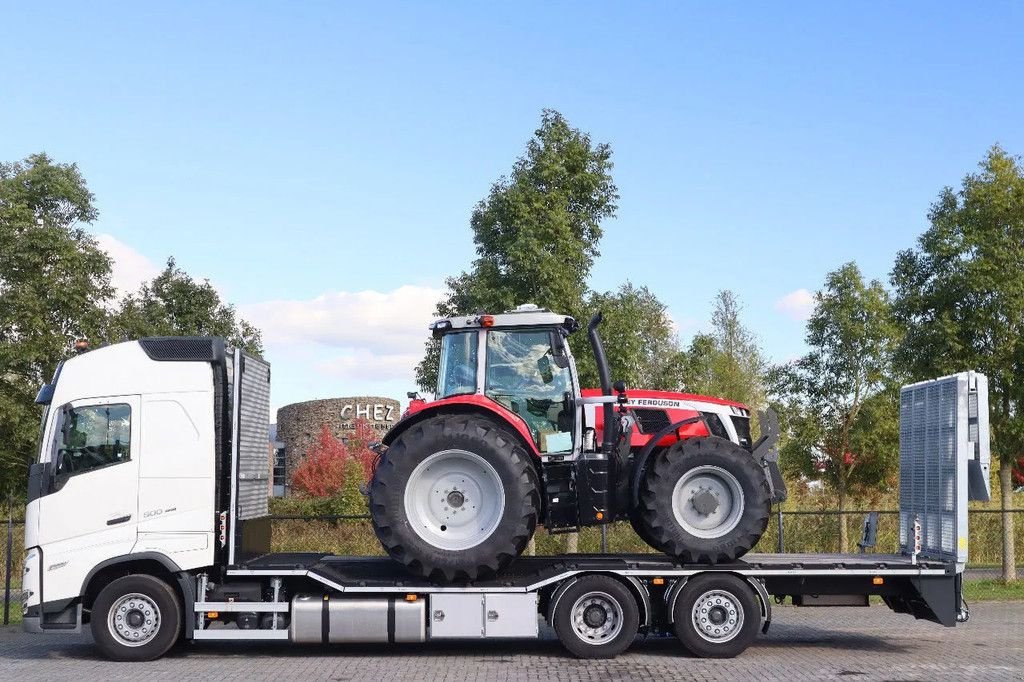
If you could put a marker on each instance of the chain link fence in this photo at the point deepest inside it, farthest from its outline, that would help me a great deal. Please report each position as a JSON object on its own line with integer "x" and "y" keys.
{"x": 803, "y": 531}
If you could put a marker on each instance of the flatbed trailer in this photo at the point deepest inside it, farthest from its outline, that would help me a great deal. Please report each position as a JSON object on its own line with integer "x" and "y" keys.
{"x": 216, "y": 580}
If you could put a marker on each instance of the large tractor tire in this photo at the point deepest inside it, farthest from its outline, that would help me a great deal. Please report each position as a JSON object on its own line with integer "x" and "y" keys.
{"x": 455, "y": 498}
{"x": 704, "y": 500}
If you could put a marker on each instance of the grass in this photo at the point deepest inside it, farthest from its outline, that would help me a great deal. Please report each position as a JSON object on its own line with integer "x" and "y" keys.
{"x": 993, "y": 590}
{"x": 15, "y": 614}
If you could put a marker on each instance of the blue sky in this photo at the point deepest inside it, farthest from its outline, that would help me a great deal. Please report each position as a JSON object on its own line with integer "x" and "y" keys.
{"x": 318, "y": 162}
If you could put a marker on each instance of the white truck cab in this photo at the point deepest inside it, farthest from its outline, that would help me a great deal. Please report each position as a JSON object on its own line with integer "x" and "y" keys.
{"x": 126, "y": 471}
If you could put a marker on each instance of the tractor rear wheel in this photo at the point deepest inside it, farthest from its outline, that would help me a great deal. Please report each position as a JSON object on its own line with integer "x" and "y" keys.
{"x": 455, "y": 498}
{"x": 704, "y": 500}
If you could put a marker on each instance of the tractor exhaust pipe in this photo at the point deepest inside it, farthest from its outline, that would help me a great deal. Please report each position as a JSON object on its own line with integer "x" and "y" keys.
{"x": 609, "y": 437}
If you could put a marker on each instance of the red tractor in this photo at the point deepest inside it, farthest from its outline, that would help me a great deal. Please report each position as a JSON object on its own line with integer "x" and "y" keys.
{"x": 512, "y": 441}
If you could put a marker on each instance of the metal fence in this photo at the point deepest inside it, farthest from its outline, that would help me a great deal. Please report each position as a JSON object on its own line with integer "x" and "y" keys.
{"x": 803, "y": 531}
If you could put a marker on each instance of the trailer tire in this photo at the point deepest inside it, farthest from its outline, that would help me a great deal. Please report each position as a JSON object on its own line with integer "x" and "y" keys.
{"x": 704, "y": 500}
{"x": 136, "y": 618}
{"x": 596, "y": 617}
{"x": 443, "y": 465}
{"x": 716, "y": 615}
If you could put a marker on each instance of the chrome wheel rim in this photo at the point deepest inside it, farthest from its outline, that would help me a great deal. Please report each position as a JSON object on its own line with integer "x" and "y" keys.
{"x": 596, "y": 618}
{"x": 454, "y": 500}
{"x": 707, "y": 501}
{"x": 134, "y": 619}
{"x": 717, "y": 616}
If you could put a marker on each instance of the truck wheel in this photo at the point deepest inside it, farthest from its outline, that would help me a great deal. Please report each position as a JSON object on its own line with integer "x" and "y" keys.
{"x": 136, "y": 618}
{"x": 596, "y": 617}
{"x": 704, "y": 500}
{"x": 716, "y": 616}
{"x": 455, "y": 498}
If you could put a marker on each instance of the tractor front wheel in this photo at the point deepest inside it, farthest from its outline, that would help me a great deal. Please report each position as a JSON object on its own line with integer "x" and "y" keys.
{"x": 455, "y": 498}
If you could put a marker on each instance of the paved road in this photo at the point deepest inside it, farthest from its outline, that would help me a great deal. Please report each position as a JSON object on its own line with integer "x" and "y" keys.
{"x": 804, "y": 644}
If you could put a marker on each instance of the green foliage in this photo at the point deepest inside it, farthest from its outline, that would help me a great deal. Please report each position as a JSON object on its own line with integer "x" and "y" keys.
{"x": 639, "y": 339}
{"x": 840, "y": 399}
{"x": 174, "y": 304}
{"x": 536, "y": 233}
{"x": 55, "y": 288}
{"x": 54, "y": 281}
{"x": 960, "y": 293}
{"x": 728, "y": 362}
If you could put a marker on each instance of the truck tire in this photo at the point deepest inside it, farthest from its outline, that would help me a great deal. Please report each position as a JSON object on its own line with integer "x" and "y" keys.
{"x": 455, "y": 498}
{"x": 704, "y": 500}
{"x": 136, "y": 618}
{"x": 596, "y": 617}
{"x": 716, "y": 615}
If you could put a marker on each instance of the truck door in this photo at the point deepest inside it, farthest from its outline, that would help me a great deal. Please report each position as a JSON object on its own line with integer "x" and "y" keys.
{"x": 90, "y": 512}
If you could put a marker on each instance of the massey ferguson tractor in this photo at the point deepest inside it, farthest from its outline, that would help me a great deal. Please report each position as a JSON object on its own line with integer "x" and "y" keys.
{"x": 511, "y": 441}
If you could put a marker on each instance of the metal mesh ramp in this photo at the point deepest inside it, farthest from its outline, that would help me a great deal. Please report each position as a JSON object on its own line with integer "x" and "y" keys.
{"x": 941, "y": 436}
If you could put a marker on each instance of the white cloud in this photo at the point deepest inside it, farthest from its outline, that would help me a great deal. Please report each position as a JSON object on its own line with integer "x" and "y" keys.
{"x": 129, "y": 267}
{"x": 370, "y": 334}
{"x": 797, "y": 305}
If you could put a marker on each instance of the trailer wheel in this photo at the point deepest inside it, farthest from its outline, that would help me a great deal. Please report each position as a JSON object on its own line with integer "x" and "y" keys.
{"x": 704, "y": 500}
{"x": 455, "y": 498}
{"x": 136, "y": 618}
{"x": 716, "y": 615}
{"x": 596, "y": 617}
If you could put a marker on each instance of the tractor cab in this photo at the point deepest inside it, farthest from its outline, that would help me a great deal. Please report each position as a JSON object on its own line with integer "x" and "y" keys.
{"x": 520, "y": 362}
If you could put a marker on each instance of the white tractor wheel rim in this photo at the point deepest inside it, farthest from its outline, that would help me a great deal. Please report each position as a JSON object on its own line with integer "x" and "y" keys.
{"x": 597, "y": 618}
{"x": 717, "y": 616}
{"x": 454, "y": 500}
{"x": 133, "y": 620}
{"x": 707, "y": 502}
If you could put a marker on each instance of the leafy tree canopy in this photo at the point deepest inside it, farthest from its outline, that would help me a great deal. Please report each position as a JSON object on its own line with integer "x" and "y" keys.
{"x": 727, "y": 362}
{"x": 840, "y": 398}
{"x": 174, "y": 304}
{"x": 960, "y": 293}
{"x": 54, "y": 281}
{"x": 537, "y": 232}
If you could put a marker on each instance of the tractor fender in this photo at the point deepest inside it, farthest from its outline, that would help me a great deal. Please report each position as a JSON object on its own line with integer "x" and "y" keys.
{"x": 464, "y": 404}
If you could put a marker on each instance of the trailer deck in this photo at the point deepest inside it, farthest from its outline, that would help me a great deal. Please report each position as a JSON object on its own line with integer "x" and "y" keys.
{"x": 381, "y": 574}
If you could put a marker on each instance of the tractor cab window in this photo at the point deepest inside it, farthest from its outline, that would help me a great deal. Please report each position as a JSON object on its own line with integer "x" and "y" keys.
{"x": 528, "y": 373}
{"x": 457, "y": 371}
{"x": 93, "y": 437}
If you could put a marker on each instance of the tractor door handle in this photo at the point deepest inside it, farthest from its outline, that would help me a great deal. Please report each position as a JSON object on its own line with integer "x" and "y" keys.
{"x": 119, "y": 519}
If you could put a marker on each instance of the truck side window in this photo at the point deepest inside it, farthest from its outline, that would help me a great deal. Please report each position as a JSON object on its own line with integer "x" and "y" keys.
{"x": 93, "y": 436}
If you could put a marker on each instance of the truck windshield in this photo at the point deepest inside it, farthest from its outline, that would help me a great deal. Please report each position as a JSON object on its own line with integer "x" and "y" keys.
{"x": 457, "y": 371}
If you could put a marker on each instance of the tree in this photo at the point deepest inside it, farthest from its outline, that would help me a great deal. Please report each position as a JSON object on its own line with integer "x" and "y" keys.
{"x": 960, "y": 295}
{"x": 842, "y": 404}
{"x": 174, "y": 304}
{"x": 536, "y": 233}
{"x": 727, "y": 363}
{"x": 54, "y": 281}
{"x": 639, "y": 339}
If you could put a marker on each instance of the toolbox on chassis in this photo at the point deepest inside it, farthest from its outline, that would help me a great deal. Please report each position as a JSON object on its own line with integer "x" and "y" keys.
{"x": 147, "y": 520}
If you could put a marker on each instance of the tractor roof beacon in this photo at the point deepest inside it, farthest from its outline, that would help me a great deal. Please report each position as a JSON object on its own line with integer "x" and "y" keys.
{"x": 512, "y": 441}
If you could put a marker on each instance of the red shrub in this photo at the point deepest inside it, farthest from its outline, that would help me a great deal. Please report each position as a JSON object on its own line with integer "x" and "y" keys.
{"x": 321, "y": 473}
